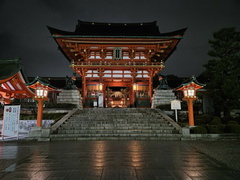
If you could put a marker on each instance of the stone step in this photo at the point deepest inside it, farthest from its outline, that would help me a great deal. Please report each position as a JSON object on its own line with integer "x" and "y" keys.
{"x": 162, "y": 138}
{"x": 115, "y": 131}
{"x": 109, "y": 116}
{"x": 117, "y": 116}
{"x": 114, "y": 112}
{"x": 116, "y": 127}
{"x": 115, "y": 120}
{"x": 117, "y": 113}
{"x": 134, "y": 110}
{"x": 116, "y": 135}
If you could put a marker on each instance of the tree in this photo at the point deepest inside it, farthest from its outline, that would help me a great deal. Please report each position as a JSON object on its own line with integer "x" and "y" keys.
{"x": 223, "y": 70}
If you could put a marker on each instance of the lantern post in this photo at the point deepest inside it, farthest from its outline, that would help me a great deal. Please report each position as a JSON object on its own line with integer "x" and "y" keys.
{"x": 41, "y": 97}
{"x": 189, "y": 89}
{"x": 41, "y": 88}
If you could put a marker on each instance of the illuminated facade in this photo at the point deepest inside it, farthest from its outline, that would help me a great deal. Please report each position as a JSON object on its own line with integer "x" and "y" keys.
{"x": 117, "y": 61}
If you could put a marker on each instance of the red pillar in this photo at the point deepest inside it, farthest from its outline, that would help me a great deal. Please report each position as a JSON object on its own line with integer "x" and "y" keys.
{"x": 40, "y": 111}
{"x": 150, "y": 88}
{"x": 190, "y": 110}
{"x": 133, "y": 99}
{"x": 84, "y": 89}
{"x": 133, "y": 96}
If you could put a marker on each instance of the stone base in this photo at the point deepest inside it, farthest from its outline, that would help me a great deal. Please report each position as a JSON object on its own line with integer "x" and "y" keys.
{"x": 71, "y": 97}
{"x": 161, "y": 97}
{"x": 39, "y": 132}
{"x": 186, "y": 132}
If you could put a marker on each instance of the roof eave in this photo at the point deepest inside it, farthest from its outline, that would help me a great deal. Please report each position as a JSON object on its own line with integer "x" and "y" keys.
{"x": 41, "y": 81}
{"x": 92, "y": 36}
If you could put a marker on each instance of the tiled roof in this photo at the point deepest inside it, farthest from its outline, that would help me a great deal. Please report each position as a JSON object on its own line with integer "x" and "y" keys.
{"x": 85, "y": 28}
{"x": 189, "y": 81}
{"x": 41, "y": 81}
{"x": 9, "y": 67}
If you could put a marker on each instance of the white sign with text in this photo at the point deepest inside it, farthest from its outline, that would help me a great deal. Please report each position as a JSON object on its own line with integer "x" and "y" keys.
{"x": 11, "y": 117}
{"x": 175, "y": 105}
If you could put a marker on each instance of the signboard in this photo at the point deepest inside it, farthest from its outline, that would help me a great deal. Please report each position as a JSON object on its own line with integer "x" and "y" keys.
{"x": 94, "y": 103}
{"x": 100, "y": 100}
{"x": 175, "y": 104}
{"x": 11, "y": 116}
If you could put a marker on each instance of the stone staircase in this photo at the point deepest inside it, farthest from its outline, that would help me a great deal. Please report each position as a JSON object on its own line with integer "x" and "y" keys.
{"x": 116, "y": 124}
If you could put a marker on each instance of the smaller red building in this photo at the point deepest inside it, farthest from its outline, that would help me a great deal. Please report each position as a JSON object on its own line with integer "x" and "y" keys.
{"x": 12, "y": 81}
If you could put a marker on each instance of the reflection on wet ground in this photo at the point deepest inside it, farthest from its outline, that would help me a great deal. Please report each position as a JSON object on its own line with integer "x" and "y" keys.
{"x": 108, "y": 160}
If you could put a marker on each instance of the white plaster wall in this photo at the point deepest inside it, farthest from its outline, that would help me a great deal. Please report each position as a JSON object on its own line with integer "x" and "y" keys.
{"x": 26, "y": 125}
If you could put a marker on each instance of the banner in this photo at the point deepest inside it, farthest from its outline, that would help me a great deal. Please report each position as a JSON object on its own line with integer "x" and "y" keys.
{"x": 11, "y": 118}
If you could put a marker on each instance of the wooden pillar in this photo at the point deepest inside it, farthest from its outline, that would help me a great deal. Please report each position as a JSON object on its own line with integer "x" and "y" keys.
{"x": 104, "y": 94}
{"x": 190, "y": 110}
{"x": 100, "y": 75}
{"x": 40, "y": 111}
{"x": 132, "y": 100}
{"x": 150, "y": 74}
{"x": 84, "y": 90}
{"x": 150, "y": 88}
{"x": 133, "y": 97}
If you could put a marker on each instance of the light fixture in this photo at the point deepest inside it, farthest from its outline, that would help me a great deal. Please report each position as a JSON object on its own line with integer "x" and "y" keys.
{"x": 100, "y": 86}
{"x": 41, "y": 92}
{"x": 189, "y": 92}
{"x": 134, "y": 86}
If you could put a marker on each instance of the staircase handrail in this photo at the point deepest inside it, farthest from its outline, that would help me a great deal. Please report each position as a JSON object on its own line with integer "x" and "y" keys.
{"x": 63, "y": 119}
{"x": 170, "y": 120}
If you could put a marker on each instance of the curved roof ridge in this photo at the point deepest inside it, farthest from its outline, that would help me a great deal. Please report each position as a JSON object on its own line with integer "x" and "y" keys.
{"x": 86, "y": 28}
{"x": 41, "y": 80}
{"x": 177, "y": 32}
{"x": 115, "y": 23}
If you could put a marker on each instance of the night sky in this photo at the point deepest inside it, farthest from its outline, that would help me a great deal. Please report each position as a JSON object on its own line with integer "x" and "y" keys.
{"x": 24, "y": 33}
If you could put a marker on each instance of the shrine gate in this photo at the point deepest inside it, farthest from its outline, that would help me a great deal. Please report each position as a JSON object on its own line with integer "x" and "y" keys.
{"x": 117, "y": 61}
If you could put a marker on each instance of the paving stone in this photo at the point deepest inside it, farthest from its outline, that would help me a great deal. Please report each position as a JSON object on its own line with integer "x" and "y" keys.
{"x": 105, "y": 160}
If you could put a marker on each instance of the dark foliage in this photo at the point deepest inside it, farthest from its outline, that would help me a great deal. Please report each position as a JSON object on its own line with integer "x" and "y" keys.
{"x": 223, "y": 70}
{"x": 216, "y": 129}
{"x": 198, "y": 130}
{"x": 216, "y": 121}
{"x": 232, "y": 128}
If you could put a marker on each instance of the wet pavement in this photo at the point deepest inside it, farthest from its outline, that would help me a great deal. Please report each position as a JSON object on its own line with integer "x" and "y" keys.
{"x": 110, "y": 160}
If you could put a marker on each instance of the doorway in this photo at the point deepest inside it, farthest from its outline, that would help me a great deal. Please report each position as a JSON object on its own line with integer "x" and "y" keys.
{"x": 117, "y": 97}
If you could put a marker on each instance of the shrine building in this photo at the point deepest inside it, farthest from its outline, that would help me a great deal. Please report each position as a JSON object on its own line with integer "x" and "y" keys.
{"x": 117, "y": 61}
{"x": 12, "y": 81}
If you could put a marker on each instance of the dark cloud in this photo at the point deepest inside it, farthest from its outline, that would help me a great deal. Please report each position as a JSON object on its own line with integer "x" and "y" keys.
{"x": 23, "y": 31}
